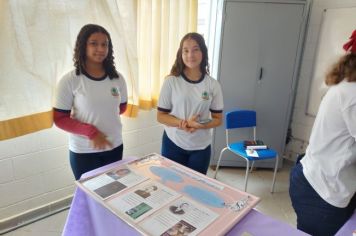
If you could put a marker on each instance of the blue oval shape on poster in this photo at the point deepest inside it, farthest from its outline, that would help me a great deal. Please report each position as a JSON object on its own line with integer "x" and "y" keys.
{"x": 166, "y": 174}
{"x": 204, "y": 196}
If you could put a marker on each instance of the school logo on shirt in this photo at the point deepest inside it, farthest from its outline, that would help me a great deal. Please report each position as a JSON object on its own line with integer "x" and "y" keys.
{"x": 115, "y": 91}
{"x": 205, "y": 95}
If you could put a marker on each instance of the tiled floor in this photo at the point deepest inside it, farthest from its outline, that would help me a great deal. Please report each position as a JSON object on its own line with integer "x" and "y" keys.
{"x": 276, "y": 205}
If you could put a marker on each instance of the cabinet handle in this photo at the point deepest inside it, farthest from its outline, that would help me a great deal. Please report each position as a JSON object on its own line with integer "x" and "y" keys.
{"x": 261, "y": 73}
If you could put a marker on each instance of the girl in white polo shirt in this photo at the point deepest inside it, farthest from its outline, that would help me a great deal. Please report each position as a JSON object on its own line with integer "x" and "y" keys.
{"x": 89, "y": 101}
{"x": 189, "y": 106}
{"x": 323, "y": 183}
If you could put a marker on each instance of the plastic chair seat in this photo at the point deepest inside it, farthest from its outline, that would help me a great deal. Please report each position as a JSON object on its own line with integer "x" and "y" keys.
{"x": 263, "y": 154}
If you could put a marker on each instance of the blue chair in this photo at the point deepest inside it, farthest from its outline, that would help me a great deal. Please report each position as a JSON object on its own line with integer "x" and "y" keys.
{"x": 245, "y": 119}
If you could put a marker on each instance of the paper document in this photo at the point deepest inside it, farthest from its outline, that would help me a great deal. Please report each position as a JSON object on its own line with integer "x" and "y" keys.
{"x": 110, "y": 183}
{"x": 182, "y": 217}
{"x": 251, "y": 153}
{"x": 143, "y": 200}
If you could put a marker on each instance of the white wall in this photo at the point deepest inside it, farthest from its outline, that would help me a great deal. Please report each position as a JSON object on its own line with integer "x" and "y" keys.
{"x": 35, "y": 170}
{"x": 301, "y": 123}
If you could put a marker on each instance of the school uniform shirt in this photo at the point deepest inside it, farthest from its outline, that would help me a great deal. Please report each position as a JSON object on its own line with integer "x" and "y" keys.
{"x": 183, "y": 98}
{"x": 93, "y": 101}
{"x": 330, "y": 161}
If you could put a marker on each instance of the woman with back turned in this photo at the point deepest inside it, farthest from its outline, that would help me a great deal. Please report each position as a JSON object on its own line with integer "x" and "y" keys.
{"x": 323, "y": 183}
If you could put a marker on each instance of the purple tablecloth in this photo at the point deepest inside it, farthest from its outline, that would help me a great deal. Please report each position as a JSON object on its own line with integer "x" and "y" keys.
{"x": 348, "y": 227}
{"x": 87, "y": 217}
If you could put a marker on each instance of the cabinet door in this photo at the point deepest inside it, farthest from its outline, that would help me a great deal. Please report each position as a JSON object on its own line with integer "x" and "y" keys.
{"x": 279, "y": 31}
{"x": 238, "y": 62}
{"x": 240, "y": 54}
{"x": 259, "y": 36}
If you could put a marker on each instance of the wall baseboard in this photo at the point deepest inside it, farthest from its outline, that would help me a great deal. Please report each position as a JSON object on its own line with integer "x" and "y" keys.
{"x": 33, "y": 215}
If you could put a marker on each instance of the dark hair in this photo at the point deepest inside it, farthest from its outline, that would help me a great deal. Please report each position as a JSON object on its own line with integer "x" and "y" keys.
{"x": 80, "y": 50}
{"x": 345, "y": 68}
{"x": 178, "y": 66}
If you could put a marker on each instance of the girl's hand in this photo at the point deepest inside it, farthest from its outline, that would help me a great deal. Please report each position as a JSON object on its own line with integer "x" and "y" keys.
{"x": 183, "y": 124}
{"x": 193, "y": 124}
{"x": 100, "y": 141}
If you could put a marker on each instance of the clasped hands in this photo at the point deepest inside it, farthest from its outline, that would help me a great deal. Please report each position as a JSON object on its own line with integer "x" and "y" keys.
{"x": 190, "y": 125}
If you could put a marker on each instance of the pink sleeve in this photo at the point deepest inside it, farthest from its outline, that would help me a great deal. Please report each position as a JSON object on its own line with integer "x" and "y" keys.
{"x": 123, "y": 107}
{"x": 65, "y": 122}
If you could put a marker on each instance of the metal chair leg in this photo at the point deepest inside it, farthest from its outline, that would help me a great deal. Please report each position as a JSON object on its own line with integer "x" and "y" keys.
{"x": 274, "y": 174}
{"x": 218, "y": 164}
{"x": 253, "y": 162}
{"x": 246, "y": 175}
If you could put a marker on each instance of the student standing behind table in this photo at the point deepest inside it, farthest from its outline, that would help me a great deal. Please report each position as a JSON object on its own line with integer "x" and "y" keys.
{"x": 323, "y": 183}
{"x": 189, "y": 106}
{"x": 89, "y": 101}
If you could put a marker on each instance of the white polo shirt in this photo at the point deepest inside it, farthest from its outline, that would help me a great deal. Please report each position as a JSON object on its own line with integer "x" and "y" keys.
{"x": 330, "y": 161}
{"x": 96, "y": 102}
{"x": 184, "y": 98}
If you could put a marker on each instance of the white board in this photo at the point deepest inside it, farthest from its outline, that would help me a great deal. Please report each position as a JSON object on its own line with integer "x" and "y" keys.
{"x": 336, "y": 28}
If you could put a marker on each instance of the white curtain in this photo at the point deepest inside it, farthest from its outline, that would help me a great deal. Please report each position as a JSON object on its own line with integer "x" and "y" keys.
{"x": 161, "y": 25}
{"x": 37, "y": 41}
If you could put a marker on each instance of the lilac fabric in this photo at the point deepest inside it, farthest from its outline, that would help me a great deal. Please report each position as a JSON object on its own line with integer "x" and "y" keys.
{"x": 87, "y": 217}
{"x": 256, "y": 223}
{"x": 348, "y": 227}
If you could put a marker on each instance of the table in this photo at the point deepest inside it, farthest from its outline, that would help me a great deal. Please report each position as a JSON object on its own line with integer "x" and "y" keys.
{"x": 348, "y": 227}
{"x": 90, "y": 218}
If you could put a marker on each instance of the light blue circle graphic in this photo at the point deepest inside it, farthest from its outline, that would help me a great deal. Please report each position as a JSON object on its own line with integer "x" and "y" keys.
{"x": 166, "y": 174}
{"x": 204, "y": 196}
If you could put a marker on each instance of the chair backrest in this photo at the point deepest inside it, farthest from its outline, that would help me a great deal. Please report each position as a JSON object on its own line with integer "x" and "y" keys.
{"x": 240, "y": 119}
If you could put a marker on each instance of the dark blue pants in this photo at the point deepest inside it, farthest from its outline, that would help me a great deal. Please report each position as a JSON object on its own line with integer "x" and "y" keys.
{"x": 84, "y": 162}
{"x": 314, "y": 215}
{"x": 197, "y": 160}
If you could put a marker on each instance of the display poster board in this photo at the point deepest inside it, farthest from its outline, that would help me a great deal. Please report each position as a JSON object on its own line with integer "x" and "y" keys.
{"x": 157, "y": 196}
{"x": 337, "y": 26}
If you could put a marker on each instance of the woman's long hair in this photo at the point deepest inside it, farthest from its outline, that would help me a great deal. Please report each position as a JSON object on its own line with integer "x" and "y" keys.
{"x": 345, "y": 68}
{"x": 178, "y": 66}
{"x": 80, "y": 50}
